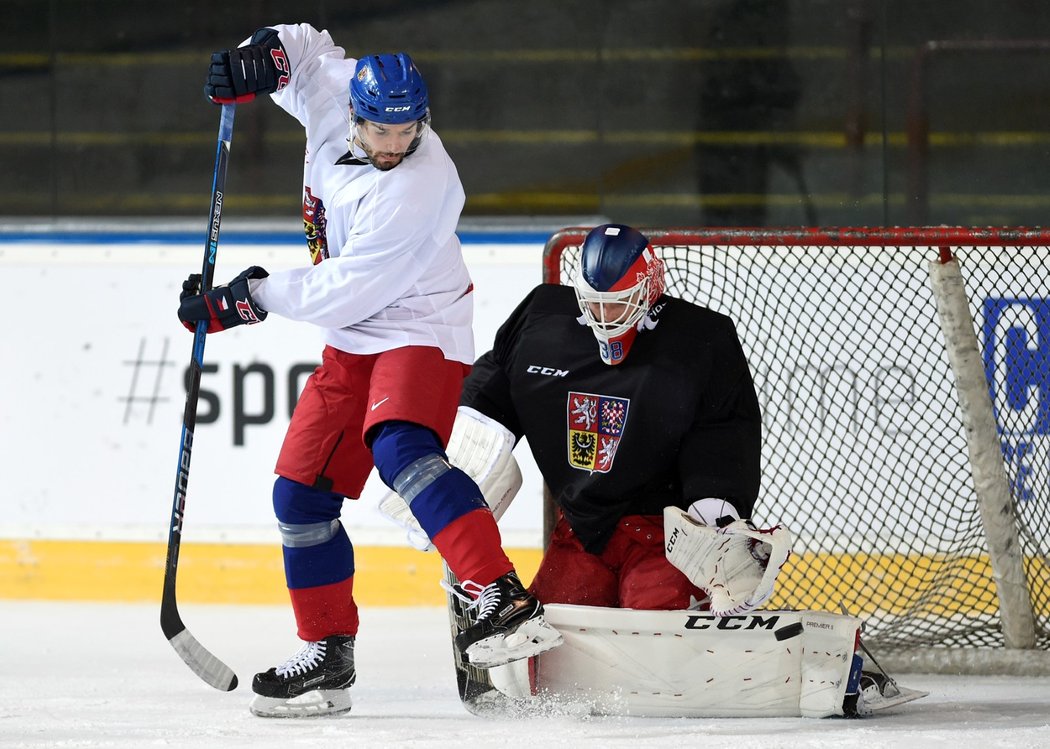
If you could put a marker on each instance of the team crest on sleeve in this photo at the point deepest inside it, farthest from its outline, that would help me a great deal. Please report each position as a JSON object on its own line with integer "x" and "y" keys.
{"x": 595, "y": 425}
{"x": 315, "y": 225}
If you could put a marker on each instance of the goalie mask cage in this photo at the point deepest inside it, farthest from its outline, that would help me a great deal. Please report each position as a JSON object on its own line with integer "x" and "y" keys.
{"x": 872, "y": 446}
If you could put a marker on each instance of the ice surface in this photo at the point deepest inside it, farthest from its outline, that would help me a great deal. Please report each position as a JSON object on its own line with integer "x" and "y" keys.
{"x": 102, "y": 675}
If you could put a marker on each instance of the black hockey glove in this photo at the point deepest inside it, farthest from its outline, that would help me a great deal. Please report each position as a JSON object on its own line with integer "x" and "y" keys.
{"x": 260, "y": 67}
{"x": 222, "y": 307}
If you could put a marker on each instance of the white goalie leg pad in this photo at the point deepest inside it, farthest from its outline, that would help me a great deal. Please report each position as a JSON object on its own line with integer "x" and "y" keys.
{"x": 736, "y": 565}
{"x": 692, "y": 664}
{"x": 830, "y": 641}
{"x": 483, "y": 449}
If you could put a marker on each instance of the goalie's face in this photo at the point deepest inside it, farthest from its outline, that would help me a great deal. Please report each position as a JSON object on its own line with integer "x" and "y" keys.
{"x": 613, "y": 317}
{"x": 613, "y": 313}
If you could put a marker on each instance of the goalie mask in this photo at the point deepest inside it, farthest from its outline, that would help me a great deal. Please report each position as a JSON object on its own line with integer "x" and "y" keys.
{"x": 391, "y": 109}
{"x": 618, "y": 280}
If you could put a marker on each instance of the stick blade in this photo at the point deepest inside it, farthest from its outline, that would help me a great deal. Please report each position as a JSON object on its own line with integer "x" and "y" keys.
{"x": 209, "y": 668}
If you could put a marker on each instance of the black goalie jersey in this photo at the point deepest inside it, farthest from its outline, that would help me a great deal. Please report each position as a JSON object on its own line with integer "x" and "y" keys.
{"x": 677, "y": 421}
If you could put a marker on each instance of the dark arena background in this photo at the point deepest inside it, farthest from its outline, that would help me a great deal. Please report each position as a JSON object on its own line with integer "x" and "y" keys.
{"x": 657, "y": 112}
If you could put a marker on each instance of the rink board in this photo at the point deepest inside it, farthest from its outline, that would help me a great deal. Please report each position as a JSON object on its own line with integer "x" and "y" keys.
{"x": 91, "y": 423}
{"x": 385, "y": 576}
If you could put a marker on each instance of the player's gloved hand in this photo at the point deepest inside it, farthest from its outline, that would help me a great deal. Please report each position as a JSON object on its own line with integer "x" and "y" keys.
{"x": 222, "y": 307}
{"x": 260, "y": 67}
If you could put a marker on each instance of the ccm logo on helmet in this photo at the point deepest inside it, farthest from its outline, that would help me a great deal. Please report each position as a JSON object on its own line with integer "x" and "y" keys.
{"x": 549, "y": 371}
{"x": 396, "y": 109}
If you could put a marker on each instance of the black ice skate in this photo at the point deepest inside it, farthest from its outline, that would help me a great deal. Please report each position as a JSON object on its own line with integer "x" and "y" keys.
{"x": 509, "y": 624}
{"x": 315, "y": 681}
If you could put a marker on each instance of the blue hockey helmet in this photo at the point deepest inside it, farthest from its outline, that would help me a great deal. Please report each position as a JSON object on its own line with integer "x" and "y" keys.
{"x": 619, "y": 279}
{"x": 388, "y": 88}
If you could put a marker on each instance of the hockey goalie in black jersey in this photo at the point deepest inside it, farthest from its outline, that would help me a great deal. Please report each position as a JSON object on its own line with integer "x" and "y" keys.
{"x": 650, "y": 444}
{"x": 663, "y": 414}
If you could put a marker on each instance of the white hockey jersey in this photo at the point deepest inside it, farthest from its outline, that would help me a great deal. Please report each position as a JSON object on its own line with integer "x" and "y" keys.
{"x": 389, "y": 269}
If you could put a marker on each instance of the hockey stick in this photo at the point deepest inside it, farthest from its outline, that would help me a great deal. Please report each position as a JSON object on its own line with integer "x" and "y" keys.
{"x": 473, "y": 682}
{"x": 197, "y": 657}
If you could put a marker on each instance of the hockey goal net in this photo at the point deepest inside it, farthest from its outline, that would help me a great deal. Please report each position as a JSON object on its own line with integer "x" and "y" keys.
{"x": 866, "y": 456}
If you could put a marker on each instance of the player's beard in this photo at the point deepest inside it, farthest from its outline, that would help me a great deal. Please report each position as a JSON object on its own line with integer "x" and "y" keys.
{"x": 384, "y": 161}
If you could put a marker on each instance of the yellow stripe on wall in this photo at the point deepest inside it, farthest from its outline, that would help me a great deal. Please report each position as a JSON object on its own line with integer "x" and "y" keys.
{"x": 212, "y": 573}
{"x": 400, "y": 576}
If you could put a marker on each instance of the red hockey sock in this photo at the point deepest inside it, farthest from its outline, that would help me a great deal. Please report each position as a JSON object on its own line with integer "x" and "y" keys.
{"x": 325, "y": 610}
{"x": 472, "y": 548}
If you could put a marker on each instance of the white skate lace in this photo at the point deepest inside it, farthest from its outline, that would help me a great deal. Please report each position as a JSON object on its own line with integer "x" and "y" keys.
{"x": 308, "y": 657}
{"x": 484, "y": 599}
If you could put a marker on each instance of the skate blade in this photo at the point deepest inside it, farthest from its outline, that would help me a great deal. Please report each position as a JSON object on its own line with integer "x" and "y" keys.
{"x": 872, "y": 702}
{"x": 317, "y": 703}
{"x": 532, "y": 638}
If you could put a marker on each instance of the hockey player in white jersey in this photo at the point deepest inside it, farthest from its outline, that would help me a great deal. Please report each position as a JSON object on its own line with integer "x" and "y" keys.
{"x": 390, "y": 292}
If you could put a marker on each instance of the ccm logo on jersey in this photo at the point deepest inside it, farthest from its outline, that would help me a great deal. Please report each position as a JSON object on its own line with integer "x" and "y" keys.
{"x": 549, "y": 371}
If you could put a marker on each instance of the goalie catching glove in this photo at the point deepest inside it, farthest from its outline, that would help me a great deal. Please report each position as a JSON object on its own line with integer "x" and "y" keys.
{"x": 736, "y": 564}
{"x": 222, "y": 307}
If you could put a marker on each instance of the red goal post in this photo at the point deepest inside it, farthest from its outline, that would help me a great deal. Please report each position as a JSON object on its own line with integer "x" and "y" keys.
{"x": 911, "y": 459}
